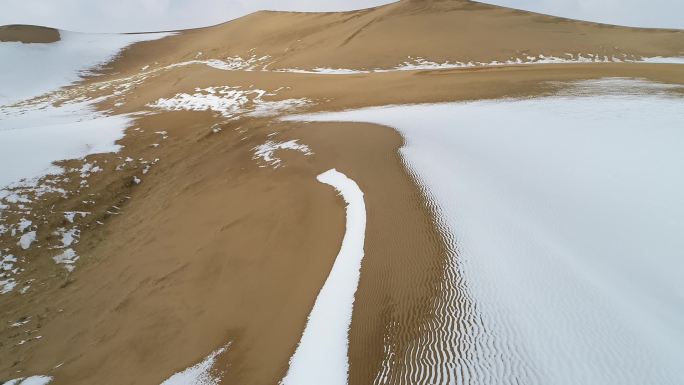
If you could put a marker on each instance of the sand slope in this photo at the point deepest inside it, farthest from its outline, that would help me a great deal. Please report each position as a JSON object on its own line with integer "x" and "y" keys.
{"x": 191, "y": 242}
{"x": 438, "y": 30}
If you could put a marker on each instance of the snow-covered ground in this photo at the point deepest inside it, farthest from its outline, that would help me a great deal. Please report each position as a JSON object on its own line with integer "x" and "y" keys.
{"x": 419, "y": 63}
{"x": 33, "y": 380}
{"x": 30, "y": 70}
{"x": 266, "y": 152}
{"x": 565, "y": 217}
{"x": 34, "y": 133}
{"x": 414, "y": 63}
{"x": 31, "y": 141}
{"x": 321, "y": 356}
{"x": 230, "y": 102}
{"x": 663, "y": 60}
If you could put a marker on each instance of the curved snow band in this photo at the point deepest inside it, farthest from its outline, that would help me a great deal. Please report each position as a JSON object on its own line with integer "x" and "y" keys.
{"x": 321, "y": 357}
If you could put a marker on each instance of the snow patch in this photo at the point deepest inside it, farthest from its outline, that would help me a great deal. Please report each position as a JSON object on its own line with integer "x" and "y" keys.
{"x": 89, "y": 168}
{"x": 663, "y": 60}
{"x": 7, "y": 271}
{"x": 7, "y": 262}
{"x": 229, "y": 102}
{"x": 266, "y": 151}
{"x": 231, "y": 63}
{"x": 71, "y": 215}
{"x": 33, "y": 380}
{"x": 67, "y": 258}
{"x": 69, "y": 237}
{"x": 27, "y": 239}
{"x": 420, "y": 63}
{"x": 323, "y": 71}
{"x": 30, "y": 141}
{"x": 7, "y": 285}
{"x": 24, "y": 224}
{"x": 263, "y": 109}
{"x": 199, "y": 374}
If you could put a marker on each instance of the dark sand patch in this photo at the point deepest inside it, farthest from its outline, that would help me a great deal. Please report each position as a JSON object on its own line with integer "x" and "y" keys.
{"x": 28, "y": 34}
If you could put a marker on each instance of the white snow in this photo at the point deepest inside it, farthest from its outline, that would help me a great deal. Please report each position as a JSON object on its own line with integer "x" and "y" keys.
{"x": 21, "y": 322}
{"x": 71, "y": 215}
{"x": 24, "y": 224}
{"x": 266, "y": 151}
{"x": 27, "y": 239}
{"x": 7, "y": 270}
{"x": 565, "y": 218}
{"x": 35, "y": 134}
{"x": 67, "y": 258}
{"x": 420, "y": 63}
{"x": 7, "y": 262}
{"x": 323, "y": 71}
{"x": 23, "y": 71}
{"x": 88, "y": 168}
{"x": 69, "y": 237}
{"x": 321, "y": 356}
{"x": 31, "y": 141}
{"x": 33, "y": 380}
{"x": 7, "y": 285}
{"x": 231, "y": 63}
{"x": 663, "y": 60}
{"x": 199, "y": 374}
{"x": 229, "y": 102}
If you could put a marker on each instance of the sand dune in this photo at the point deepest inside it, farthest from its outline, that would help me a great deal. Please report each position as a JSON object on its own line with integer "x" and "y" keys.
{"x": 28, "y": 34}
{"x": 207, "y": 226}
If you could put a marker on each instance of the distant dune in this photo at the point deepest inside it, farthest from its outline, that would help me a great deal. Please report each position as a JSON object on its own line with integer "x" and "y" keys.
{"x": 28, "y": 34}
{"x": 443, "y": 31}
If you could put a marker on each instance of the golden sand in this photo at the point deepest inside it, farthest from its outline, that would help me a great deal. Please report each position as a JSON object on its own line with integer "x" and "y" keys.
{"x": 211, "y": 248}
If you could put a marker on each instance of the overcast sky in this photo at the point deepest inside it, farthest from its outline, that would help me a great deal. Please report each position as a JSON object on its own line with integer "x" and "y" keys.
{"x": 152, "y": 15}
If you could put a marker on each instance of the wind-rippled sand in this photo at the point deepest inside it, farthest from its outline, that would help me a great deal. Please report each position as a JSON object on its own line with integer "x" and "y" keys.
{"x": 563, "y": 217}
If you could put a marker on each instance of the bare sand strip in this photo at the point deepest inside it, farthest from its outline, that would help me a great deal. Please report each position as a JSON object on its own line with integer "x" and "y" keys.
{"x": 321, "y": 357}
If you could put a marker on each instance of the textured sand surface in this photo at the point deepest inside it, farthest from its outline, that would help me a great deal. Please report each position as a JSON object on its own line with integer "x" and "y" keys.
{"x": 189, "y": 241}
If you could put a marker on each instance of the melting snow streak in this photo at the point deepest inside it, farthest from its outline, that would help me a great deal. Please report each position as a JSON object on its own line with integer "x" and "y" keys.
{"x": 321, "y": 357}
